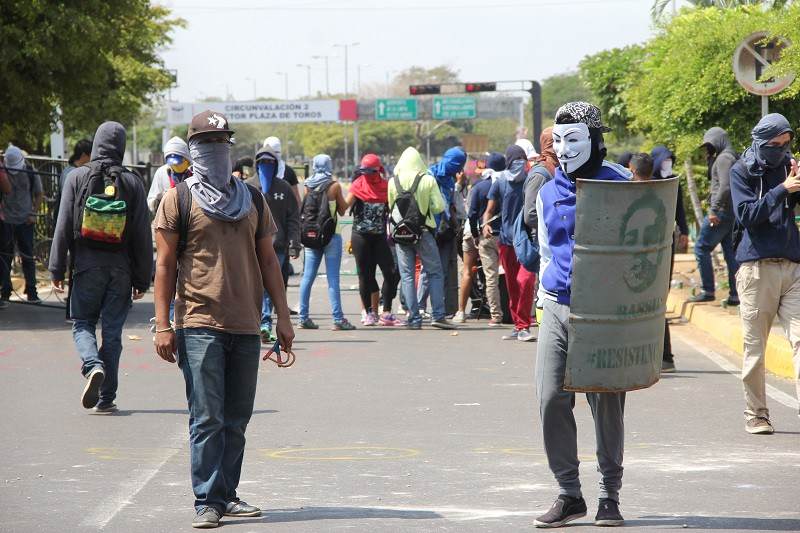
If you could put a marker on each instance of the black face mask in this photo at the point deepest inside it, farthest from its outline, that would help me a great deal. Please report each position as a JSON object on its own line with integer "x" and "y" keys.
{"x": 774, "y": 156}
{"x": 590, "y": 169}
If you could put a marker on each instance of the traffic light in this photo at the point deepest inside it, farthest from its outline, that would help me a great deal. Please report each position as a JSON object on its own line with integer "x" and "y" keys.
{"x": 480, "y": 87}
{"x": 416, "y": 90}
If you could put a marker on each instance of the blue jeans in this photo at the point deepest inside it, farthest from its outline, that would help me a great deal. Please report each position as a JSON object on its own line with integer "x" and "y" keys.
{"x": 22, "y": 235}
{"x": 333, "y": 262}
{"x": 220, "y": 370}
{"x": 707, "y": 240}
{"x": 266, "y": 305}
{"x": 406, "y": 261}
{"x": 102, "y": 294}
{"x": 423, "y": 291}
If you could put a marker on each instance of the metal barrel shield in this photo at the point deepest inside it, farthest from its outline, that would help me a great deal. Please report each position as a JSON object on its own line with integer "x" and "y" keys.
{"x": 620, "y": 280}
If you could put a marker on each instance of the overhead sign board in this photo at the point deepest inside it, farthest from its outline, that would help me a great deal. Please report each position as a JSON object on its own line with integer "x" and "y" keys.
{"x": 259, "y": 111}
{"x": 396, "y": 109}
{"x": 752, "y": 58}
{"x": 454, "y": 108}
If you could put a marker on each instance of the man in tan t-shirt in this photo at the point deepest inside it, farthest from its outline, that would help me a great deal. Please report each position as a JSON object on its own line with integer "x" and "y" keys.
{"x": 225, "y": 265}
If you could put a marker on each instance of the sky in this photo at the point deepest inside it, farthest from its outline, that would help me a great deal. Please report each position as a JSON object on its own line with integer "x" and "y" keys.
{"x": 239, "y": 46}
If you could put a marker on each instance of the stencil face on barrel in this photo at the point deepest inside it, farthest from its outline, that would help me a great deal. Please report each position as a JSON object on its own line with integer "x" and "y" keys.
{"x": 644, "y": 225}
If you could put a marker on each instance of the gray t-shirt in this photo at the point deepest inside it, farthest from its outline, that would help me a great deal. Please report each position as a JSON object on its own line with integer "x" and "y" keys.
{"x": 17, "y": 206}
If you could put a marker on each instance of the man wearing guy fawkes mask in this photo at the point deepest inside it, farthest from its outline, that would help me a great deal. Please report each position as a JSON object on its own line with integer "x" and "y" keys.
{"x": 578, "y": 143}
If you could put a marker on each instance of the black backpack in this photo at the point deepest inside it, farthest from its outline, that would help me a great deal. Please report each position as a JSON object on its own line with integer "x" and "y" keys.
{"x": 317, "y": 224}
{"x": 407, "y": 222}
{"x": 185, "y": 211}
{"x": 102, "y": 211}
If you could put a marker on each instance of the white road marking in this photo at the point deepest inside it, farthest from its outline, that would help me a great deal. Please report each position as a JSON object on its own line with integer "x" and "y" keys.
{"x": 107, "y": 509}
{"x": 773, "y": 392}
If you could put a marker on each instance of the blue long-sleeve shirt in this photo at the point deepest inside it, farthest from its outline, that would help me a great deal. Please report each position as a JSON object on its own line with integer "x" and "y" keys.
{"x": 766, "y": 210}
{"x": 478, "y": 200}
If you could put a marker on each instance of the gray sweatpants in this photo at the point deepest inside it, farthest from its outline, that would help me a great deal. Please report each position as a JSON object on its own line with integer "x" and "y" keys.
{"x": 558, "y": 422}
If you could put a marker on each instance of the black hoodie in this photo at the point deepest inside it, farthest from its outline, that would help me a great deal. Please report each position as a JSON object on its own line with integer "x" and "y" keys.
{"x": 137, "y": 258}
{"x": 724, "y": 158}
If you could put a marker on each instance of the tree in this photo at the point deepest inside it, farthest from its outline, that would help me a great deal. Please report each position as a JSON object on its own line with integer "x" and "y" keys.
{"x": 659, "y": 8}
{"x": 94, "y": 59}
{"x": 562, "y": 88}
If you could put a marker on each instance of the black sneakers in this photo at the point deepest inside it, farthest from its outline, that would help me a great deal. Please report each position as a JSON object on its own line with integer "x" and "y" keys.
{"x": 608, "y": 514}
{"x": 565, "y": 509}
{"x": 91, "y": 392}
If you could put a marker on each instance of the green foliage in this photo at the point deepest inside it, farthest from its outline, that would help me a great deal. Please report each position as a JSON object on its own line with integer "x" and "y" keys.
{"x": 558, "y": 90}
{"x": 95, "y": 59}
{"x": 609, "y": 75}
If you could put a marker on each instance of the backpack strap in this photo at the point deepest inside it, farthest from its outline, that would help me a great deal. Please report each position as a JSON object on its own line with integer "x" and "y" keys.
{"x": 258, "y": 200}
{"x": 400, "y": 189}
{"x": 415, "y": 185}
{"x": 184, "y": 212}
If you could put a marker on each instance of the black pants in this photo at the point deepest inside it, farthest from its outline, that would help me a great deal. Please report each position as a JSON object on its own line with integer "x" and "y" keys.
{"x": 667, "y": 355}
{"x": 371, "y": 252}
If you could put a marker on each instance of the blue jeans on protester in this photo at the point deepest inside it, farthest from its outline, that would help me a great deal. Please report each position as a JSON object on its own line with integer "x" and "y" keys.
{"x": 333, "y": 262}
{"x": 100, "y": 294}
{"x": 708, "y": 239}
{"x": 220, "y": 370}
{"x": 406, "y": 261}
{"x": 22, "y": 235}
{"x": 266, "y": 305}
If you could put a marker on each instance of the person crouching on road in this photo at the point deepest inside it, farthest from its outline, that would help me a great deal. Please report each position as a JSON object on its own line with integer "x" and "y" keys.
{"x": 228, "y": 229}
{"x": 578, "y": 142}
{"x": 764, "y": 184}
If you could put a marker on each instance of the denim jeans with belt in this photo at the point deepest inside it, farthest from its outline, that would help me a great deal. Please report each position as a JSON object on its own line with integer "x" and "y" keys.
{"x": 708, "y": 239}
{"x": 332, "y": 254}
{"x": 104, "y": 295}
{"x": 220, "y": 370}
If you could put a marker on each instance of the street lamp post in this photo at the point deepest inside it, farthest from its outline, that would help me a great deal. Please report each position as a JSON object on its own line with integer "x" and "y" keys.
{"x": 327, "y": 77}
{"x": 358, "y": 78}
{"x": 285, "y": 83}
{"x": 308, "y": 72}
{"x": 346, "y": 47}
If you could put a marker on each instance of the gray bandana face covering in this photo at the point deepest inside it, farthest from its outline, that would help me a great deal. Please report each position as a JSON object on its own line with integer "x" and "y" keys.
{"x": 212, "y": 186}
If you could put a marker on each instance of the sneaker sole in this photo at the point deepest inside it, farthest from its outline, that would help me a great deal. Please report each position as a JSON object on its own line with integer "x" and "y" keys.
{"x": 760, "y": 431}
{"x": 560, "y": 523}
{"x": 442, "y": 326}
{"x": 667, "y": 370}
{"x": 205, "y": 525}
{"x": 532, "y": 338}
{"x": 91, "y": 392}
{"x": 609, "y": 523}
{"x": 244, "y": 515}
{"x": 105, "y": 413}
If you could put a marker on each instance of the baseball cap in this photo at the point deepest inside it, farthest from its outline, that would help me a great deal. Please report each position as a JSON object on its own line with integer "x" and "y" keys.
{"x": 209, "y": 122}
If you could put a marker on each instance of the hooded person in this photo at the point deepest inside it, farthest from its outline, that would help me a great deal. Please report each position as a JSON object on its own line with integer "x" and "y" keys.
{"x": 487, "y": 246}
{"x": 286, "y": 215}
{"x": 369, "y": 201}
{"x": 663, "y": 168}
{"x": 410, "y": 171}
{"x": 176, "y": 168}
{"x": 530, "y": 152}
{"x": 103, "y": 280}
{"x": 321, "y": 181}
{"x": 764, "y": 187}
{"x": 17, "y": 220}
{"x": 221, "y": 254}
{"x": 283, "y": 171}
{"x": 579, "y": 146}
{"x": 542, "y": 172}
{"x": 448, "y": 227}
{"x": 507, "y": 198}
{"x": 717, "y": 226}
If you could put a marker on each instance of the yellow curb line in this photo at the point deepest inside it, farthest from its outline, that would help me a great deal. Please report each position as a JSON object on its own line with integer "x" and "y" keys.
{"x": 727, "y": 329}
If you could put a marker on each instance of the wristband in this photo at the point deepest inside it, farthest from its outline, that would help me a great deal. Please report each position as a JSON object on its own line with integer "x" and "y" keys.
{"x": 165, "y": 330}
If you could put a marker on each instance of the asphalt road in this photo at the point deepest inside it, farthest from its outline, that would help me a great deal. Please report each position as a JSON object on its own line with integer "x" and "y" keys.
{"x": 378, "y": 430}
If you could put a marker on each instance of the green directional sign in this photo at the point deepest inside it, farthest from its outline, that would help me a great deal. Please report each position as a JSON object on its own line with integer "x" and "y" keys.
{"x": 396, "y": 109}
{"x": 454, "y": 108}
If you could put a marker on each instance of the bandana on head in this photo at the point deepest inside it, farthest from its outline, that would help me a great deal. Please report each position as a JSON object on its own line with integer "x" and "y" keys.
{"x": 578, "y": 139}
{"x": 547, "y": 157}
{"x": 322, "y": 167}
{"x": 14, "y": 158}
{"x": 370, "y": 184}
{"x": 212, "y": 185}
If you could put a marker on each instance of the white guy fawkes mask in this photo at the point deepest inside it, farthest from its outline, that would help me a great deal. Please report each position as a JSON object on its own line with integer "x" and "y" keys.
{"x": 666, "y": 168}
{"x": 572, "y": 145}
